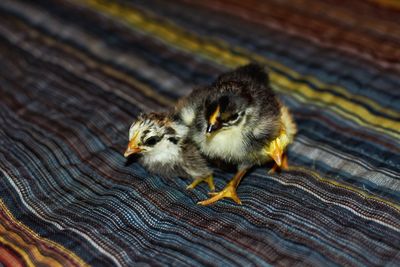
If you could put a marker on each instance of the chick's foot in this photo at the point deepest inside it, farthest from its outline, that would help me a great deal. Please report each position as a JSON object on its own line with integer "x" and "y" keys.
{"x": 208, "y": 179}
{"x": 228, "y": 192}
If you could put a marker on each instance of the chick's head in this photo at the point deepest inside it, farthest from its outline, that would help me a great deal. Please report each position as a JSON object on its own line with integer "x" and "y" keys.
{"x": 226, "y": 111}
{"x": 151, "y": 133}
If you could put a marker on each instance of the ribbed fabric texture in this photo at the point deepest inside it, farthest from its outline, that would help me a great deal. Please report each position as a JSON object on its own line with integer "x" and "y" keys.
{"x": 74, "y": 75}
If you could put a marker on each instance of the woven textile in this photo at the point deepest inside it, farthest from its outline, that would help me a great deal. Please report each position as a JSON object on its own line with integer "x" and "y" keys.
{"x": 74, "y": 75}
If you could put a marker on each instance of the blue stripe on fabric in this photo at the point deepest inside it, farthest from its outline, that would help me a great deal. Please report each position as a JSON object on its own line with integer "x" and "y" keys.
{"x": 340, "y": 175}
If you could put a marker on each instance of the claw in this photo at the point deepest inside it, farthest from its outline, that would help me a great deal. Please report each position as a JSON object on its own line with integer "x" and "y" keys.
{"x": 273, "y": 169}
{"x": 276, "y": 152}
{"x": 228, "y": 192}
{"x": 208, "y": 179}
{"x": 284, "y": 165}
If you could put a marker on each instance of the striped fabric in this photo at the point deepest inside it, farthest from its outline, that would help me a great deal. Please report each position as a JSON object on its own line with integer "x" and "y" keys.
{"x": 75, "y": 73}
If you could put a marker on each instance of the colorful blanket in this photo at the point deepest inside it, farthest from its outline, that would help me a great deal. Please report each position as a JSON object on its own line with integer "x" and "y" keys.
{"x": 74, "y": 74}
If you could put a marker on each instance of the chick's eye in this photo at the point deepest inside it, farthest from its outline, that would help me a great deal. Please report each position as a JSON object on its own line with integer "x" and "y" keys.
{"x": 152, "y": 141}
{"x": 234, "y": 117}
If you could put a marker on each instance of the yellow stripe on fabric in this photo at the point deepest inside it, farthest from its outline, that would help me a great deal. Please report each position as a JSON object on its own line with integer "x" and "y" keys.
{"x": 34, "y": 250}
{"x": 27, "y": 251}
{"x": 364, "y": 194}
{"x": 388, "y": 3}
{"x": 342, "y": 108}
{"x": 20, "y": 251}
{"x": 220, "y": 52}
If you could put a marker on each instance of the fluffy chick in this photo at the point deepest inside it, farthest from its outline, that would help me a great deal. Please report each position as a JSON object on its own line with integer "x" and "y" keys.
{"x": 165, "y": 149}
{"x": 239, "y": 120}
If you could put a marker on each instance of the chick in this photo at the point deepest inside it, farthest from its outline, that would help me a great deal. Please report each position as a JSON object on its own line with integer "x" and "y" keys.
{"x": 239, "y": 120}
{"x": 165, "y": 149}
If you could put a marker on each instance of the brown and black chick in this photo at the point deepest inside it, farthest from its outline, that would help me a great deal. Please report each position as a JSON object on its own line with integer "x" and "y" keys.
{"x": 239, "y": 120}
{"x": 165, "y": 150}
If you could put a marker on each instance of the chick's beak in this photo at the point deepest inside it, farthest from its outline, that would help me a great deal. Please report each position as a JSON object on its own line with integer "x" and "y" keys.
{"x": 132, "y": 148}
{"x": 213, "y": 123}
{"x": 211, "y": 128}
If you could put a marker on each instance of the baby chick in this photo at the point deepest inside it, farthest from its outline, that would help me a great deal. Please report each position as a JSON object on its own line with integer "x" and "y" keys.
{"x": 239, "y": 120}
{"x": 165, "y": 149}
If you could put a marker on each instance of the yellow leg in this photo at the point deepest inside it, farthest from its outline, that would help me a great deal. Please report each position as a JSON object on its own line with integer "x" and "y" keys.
{"x": 228, "y": 192}
{"x": 208, "y": 179}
